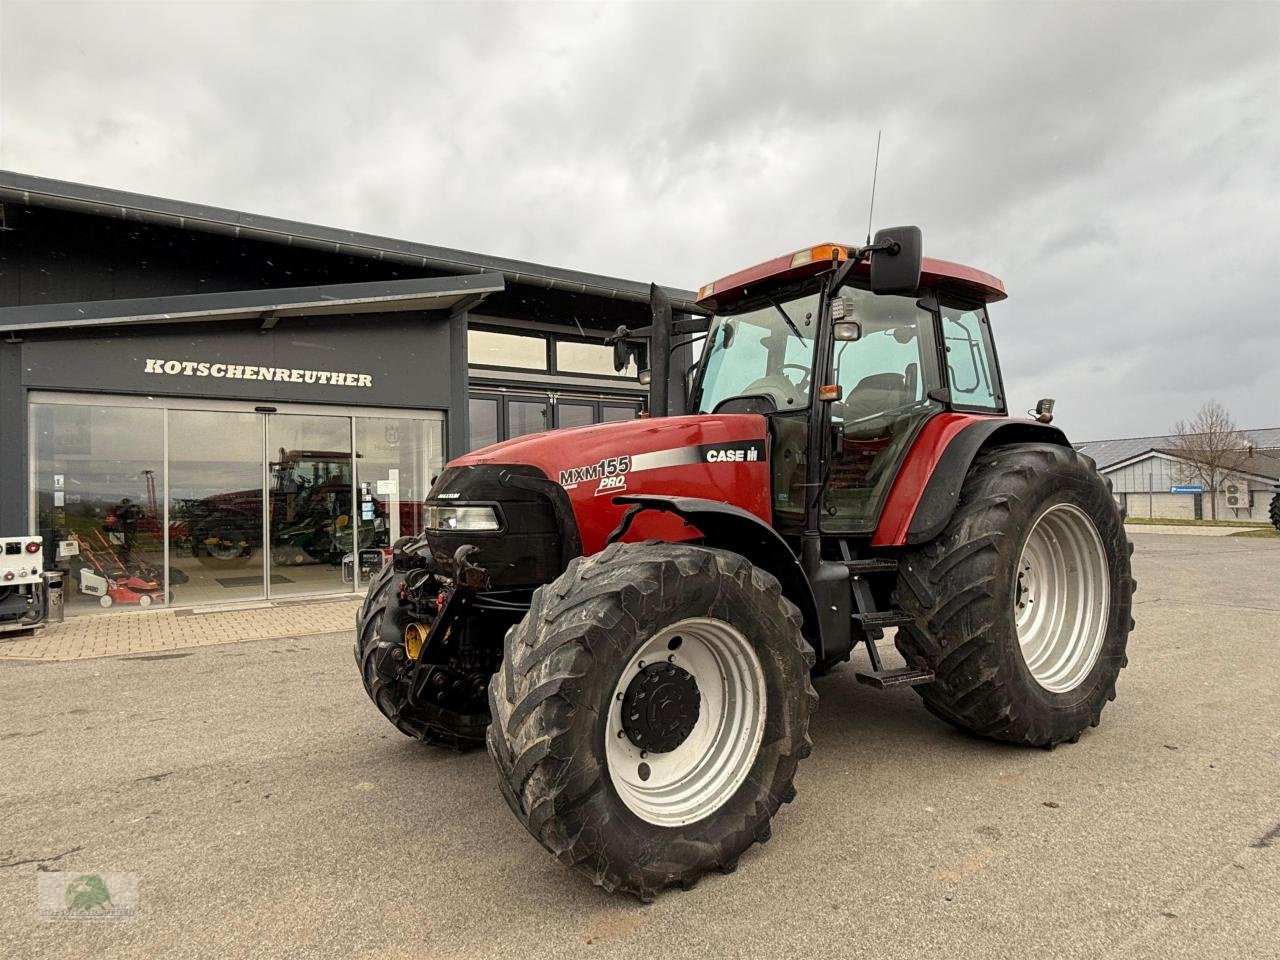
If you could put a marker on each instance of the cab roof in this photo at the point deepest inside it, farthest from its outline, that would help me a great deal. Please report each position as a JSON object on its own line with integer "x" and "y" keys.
{"x": 942, "y": 275}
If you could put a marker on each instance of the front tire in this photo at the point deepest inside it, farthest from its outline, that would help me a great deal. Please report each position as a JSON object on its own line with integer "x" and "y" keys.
{"x": 652, "y": 796}
{"x": 1022, "y": 605}
{"x": 384, "y": 666}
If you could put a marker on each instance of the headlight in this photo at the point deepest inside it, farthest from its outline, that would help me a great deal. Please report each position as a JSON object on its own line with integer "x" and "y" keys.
{"x": 462, "y": 518}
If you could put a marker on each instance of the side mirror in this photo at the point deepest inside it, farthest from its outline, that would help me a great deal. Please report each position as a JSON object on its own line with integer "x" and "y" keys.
{"x": 625, "y": 352}
{"x": 690, "y": 378}
{"x": 896, "y": 269}
{"x": 847, "y": 330}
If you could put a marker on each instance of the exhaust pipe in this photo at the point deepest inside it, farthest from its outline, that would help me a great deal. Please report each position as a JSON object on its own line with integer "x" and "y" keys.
{"x": 659, "y": 352}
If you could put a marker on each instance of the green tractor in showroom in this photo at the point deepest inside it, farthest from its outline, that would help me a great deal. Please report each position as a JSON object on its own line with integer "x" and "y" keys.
{"x": 630, "y": 613}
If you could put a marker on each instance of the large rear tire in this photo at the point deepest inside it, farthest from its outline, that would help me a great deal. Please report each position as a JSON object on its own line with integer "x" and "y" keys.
{"x": 650, "y": 713}
{"x": 1022, "y": 604}
{"x": 380, "y": 655}
{"x": 1275, "y": 511}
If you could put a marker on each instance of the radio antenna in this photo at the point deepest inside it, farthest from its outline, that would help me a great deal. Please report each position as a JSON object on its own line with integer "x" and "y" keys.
{"x": 875, "y": 171}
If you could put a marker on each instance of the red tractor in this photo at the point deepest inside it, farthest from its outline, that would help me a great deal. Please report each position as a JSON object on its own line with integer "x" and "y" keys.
{"x": 631, "y": 613}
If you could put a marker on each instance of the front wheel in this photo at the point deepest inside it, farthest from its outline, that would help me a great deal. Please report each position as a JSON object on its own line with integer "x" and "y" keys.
{"x": 650, "y": 713}
{"x": 1022, "y": 604}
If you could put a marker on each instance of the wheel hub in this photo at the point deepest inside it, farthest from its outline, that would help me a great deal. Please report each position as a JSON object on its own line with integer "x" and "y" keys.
{"x": 660, "y": 707}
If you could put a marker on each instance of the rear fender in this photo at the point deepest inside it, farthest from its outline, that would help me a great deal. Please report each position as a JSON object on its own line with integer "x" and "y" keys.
{"x": 904, "y": 522}
{"x": 731, "y": 528}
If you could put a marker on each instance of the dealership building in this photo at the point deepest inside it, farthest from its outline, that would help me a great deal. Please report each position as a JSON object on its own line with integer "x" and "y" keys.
{"x": 201, "y": 406}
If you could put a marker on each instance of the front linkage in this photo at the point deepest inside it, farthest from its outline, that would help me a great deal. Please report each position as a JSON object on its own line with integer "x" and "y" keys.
{"x": 434, "y": 676}
{"x": 422, "y": 660}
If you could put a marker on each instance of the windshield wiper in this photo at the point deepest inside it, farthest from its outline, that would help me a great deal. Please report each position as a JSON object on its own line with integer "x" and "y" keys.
{"x": 794, "y": 329}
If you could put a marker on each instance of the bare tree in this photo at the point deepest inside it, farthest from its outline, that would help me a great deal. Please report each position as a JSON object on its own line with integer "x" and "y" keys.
{"x": 1210, "y": 450}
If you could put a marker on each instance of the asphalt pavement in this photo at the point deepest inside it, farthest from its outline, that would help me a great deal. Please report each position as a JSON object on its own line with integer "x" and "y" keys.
{"x": 267, "y": 810}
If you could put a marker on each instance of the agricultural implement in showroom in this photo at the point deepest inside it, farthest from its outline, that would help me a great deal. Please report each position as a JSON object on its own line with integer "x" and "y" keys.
{"x": 631, "y": 613}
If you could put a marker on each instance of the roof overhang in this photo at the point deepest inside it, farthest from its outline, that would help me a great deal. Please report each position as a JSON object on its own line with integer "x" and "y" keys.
{"x": 449, "y": 295}
{"x": 35, "y": 191}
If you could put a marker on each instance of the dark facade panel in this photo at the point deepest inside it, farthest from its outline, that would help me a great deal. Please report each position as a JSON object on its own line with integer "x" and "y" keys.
{"x": 13, "y": 441}
{"x": 394, "y": 360}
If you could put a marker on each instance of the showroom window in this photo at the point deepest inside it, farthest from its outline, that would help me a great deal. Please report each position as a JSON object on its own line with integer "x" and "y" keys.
{"x": 192, "y": 506}
{"x": 596, "y": 359}
{"x": 489, "y": 348}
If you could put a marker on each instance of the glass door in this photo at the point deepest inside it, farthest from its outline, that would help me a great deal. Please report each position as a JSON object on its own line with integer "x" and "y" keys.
{"x": 215, "y": 506}
{"x": 397, "y": 461}
{"x": 311, "y": 525}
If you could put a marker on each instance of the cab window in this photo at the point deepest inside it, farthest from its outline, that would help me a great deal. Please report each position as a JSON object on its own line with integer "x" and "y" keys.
{"x": 767, "y": 351}
{"x": 971, "y": 369}
{"x": 885, "y": 378}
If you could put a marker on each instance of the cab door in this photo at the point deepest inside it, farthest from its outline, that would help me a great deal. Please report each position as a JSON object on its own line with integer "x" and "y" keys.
{"x": 885, "y": 377}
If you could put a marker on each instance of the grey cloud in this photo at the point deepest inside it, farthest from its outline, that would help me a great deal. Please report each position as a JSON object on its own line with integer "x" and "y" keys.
{"x": 1115, "y": 164}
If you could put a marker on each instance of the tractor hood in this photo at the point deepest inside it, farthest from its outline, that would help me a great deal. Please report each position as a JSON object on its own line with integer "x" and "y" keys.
{"x": 721, "y": 457}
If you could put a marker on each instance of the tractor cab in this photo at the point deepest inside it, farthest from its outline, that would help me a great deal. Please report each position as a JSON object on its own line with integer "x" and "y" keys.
{"x": 894, "y": 361}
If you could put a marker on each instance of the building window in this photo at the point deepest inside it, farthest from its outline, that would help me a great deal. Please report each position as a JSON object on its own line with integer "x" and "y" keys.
{"x": 488, "y": 348}
{"x": 570, "y": 413}
{"x": 573, "y": 356}
{"x": 98, "y": 484}
{"x": 611, "y": 413}
{"x": 482, "y": 414}
{"x": 526, "y": 416}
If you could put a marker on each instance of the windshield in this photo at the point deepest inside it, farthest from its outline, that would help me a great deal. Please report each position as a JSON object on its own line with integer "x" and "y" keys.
{"x": 767, "y": 352}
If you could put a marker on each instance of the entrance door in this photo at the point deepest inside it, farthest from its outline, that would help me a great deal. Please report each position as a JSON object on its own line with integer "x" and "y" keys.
{"x": 215, "y": 506}
{"x": 309, "y": 502}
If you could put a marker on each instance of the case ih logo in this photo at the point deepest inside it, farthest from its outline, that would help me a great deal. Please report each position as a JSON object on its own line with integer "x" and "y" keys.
{"x": 607, "y": 469}
{"x": 748, "y": 451}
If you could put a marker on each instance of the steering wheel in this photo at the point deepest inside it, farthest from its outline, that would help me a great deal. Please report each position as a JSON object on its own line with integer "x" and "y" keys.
{"x": 805, "y": 373}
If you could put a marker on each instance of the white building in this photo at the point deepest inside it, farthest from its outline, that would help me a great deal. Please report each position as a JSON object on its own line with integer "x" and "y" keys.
{"x": 1150, "y": 479}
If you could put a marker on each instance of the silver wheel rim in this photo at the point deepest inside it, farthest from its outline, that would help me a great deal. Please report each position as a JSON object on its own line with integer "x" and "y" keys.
{"x": 696, "y": 778}
{"x": 1061, "y": 598}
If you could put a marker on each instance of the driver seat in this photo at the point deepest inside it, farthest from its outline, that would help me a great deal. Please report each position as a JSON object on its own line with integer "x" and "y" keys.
{"x": 877, "y": 393}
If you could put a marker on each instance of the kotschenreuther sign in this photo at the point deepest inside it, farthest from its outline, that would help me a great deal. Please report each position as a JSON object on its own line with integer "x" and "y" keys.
{"x": 239, "y": 371}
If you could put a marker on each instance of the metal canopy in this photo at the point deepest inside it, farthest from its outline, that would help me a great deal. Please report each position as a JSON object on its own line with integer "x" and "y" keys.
{"x": 449, "y": 295}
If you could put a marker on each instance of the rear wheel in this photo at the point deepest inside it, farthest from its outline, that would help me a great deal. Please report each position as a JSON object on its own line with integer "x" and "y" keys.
{"x": 1022, "y": 604}
{"x": 1275, "y": 511}
{"x": 384, "y": 669}
{"x": 650, "y": 713}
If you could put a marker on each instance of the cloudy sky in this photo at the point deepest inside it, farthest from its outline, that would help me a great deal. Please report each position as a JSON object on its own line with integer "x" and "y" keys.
{"x": 1118, "y": 165}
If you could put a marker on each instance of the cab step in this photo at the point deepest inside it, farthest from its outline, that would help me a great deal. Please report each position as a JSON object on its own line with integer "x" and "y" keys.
{"x": 902, "y": 677}
{"x": 880, "y": 619}
{"x": 871, "y": 565}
